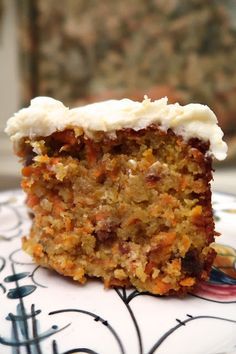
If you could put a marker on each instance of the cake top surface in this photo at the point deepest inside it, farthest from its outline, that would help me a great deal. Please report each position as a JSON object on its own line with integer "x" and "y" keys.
{"x": 46, "y": 115}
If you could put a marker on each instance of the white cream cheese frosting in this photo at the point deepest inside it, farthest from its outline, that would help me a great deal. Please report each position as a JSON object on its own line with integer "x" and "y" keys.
{"x": 46, "y": 115}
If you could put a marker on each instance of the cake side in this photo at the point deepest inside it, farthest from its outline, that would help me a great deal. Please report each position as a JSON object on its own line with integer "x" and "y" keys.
{"x": 131, "y": 209}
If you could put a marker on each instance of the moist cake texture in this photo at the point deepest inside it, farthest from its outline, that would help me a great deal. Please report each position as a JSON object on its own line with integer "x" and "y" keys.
{"x": 126, "y": 199}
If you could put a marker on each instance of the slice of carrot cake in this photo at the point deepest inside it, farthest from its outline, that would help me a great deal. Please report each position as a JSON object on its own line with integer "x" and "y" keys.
{"x": 120, "y": 190}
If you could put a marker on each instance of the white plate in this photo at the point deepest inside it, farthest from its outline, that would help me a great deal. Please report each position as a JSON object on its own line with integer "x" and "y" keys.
{"x": 44, "y": 313}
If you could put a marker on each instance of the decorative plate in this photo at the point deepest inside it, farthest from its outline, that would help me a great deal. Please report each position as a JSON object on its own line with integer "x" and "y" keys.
{"x": 45, "y": 313}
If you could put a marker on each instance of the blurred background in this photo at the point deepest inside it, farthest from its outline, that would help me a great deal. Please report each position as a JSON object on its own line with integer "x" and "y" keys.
{"x": 81, "y": 51}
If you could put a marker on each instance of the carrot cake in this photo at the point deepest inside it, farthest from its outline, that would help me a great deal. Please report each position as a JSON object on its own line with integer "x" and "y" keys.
{"x": 120, "y": 190}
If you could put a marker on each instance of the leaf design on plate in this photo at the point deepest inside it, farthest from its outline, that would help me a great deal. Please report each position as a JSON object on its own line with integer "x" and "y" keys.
{"x": 21, "y": 291}
{"x": 16, "y": 277}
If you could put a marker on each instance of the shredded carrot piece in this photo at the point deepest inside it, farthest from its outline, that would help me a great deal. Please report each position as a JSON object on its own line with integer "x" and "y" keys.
{"x": 160, "y": 287}
{"x": 38, "y": 251}
{"x": 183, "y": 183}
{"x": 197, "y": 210}
{"x": 32, "y": 200}
{"x": 149, "y": 267}
{"x": 169, "y": 239}
{"x": 187, "y": 281}
{"x": 101, "y": 216}
{"x": 27, "y": 171}
{"x": 55, "y": 160}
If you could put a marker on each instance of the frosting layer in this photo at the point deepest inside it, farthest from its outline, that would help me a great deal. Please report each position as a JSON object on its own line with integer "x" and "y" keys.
{"x": 46, "y": 115}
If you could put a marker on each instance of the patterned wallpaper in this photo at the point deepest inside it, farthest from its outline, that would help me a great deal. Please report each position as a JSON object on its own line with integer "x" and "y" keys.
{"x": 85, "y": 50}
